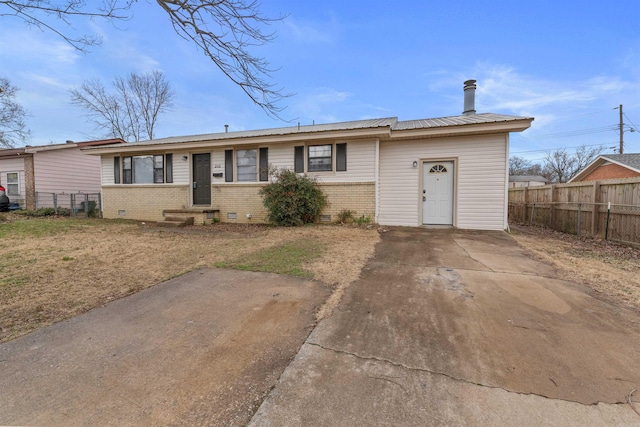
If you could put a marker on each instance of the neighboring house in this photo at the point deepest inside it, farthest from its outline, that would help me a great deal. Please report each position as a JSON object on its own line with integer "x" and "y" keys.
{"x": 610, "y": 166}
{"x": 444, "y": 171}
{"x": 56, "y": 168}
{"x": 516, "y": 181}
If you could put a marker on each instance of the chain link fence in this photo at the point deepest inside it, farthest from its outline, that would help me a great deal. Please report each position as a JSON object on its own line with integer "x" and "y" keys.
{"x": 71, "y": 204}
{"x": 617, "y": 222}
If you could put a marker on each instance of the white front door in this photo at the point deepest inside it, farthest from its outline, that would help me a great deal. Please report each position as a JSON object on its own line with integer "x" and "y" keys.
{"x": 437, "y": 193}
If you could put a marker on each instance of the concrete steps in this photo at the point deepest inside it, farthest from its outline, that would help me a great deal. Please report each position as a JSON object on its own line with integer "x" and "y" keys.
{"x": 175, "y": 221}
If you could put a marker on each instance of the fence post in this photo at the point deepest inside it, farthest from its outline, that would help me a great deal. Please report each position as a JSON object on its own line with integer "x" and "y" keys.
{"x": 100, "y": 204}
{"x": 72, "y": 203}
{"x": 552, "y": 209}
{"x": 606, "y": 233}
{"x": 579, "y": 213}
{"x": 533, "y": 208}
{"x": 55, "y": 203}
{"x": 86, "y": 204}
{"x": 595, "y": 220}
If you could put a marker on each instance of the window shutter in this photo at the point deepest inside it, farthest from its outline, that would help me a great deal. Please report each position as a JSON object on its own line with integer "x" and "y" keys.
{"x": 116, "y": 170}
{"x": 264, "y": 164}
{"x": 341, "y": 157}
{"x": 299, "y": 159}
{"x": 168, "y": 164}
{"x": 228, "y": 165}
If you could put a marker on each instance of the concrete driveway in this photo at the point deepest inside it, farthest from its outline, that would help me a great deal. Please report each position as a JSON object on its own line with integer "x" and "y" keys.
{"x": 200, "y": 349}
{"x": 461, "y": 328}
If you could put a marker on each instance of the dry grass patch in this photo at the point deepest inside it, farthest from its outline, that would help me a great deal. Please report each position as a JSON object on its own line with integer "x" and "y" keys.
{"x": 54, "y": 268}
{"x": 611, "y": 270}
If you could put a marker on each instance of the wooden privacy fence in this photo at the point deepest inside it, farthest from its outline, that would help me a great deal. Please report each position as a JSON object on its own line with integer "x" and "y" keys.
{"x": 605, "y": 209}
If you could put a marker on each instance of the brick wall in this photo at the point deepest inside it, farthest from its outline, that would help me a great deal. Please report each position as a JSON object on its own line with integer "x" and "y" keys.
{"x": 147, "y": 202}
{"x": 143, "y": 202}
{"x": 610, "y": 171}
{"x": 243, "y": 199}
{"x": 29, "y": 183}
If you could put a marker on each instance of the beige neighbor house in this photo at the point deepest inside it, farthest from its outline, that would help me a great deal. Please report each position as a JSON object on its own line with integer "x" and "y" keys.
{"x": 48, "y": 169}
{"x": 448, "y": 171}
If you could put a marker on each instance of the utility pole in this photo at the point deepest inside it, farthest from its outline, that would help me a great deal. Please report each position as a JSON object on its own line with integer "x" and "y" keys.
{"x": 621, "y": 132}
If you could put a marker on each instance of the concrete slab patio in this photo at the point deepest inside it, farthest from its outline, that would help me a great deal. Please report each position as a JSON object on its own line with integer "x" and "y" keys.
{"x": 461, "y": 328}
{"x": 200, "y": 349}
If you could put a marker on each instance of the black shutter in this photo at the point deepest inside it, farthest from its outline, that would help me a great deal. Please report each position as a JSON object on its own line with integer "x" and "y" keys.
{"x": 299, "y": 159}
{"x": 341, "y": 157}
{"x": 228, "y": 165}
{"x": 116, "y": 169}
{"x": 168, "y": 165}
{"x": 264, "y": 164}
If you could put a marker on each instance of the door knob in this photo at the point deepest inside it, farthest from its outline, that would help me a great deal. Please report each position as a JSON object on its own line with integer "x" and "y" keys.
{"x": 424, "y": 198}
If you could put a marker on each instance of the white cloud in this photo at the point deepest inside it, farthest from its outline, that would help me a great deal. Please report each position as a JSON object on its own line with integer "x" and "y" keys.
{"x": 313, "y": 33}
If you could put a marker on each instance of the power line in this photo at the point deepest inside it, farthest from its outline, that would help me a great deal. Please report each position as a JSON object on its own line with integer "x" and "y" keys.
{"x": 579, "y": 132}
{"x": 561, "y": 148}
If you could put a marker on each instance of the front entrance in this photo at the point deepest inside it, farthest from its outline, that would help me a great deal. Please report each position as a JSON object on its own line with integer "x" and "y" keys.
{"x": 437, "y": 193}
{"x": 202, "y": 179}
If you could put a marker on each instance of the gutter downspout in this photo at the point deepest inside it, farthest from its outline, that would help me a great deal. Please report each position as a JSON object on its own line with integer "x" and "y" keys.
{"x": 377, "y": 180}
{"x": 506, "y": 186}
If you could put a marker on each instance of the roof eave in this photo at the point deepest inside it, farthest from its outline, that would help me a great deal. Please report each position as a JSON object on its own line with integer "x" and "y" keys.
{"x": 378, "y": 132}
{"x": 467, "y": 129}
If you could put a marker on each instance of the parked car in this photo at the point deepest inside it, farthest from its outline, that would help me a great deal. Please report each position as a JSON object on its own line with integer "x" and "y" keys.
{"x": 4, "y": 200}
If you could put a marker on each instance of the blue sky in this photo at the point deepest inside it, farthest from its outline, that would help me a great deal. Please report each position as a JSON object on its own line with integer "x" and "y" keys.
{"x": 567, "y": 64}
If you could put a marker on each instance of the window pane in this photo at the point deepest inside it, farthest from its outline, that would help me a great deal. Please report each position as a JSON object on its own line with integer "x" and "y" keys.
{"x": 116, "y": 169}
{"x": 246, "y": 163}
{"x": 13, "y": 184}
{"x": 143, "y": 169}
{"x": 158, "y": 169}
{"x": 320, "y": 158}
{"x": 169, "y": 168}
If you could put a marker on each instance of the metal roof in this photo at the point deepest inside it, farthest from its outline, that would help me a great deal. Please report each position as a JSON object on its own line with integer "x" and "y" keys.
{"x": 390, "y": 123}
{"x": 291, "y": 130}
{"x": 471, "y": 119}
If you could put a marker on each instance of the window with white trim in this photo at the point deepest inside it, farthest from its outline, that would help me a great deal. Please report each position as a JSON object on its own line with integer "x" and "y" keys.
{"x": 251, "y": 165}
{"x": 13, "y": 183}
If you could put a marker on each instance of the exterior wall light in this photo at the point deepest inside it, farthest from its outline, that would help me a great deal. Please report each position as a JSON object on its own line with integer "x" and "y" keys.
{"x": 185, "y": 158}
{"x": 415, "y": 163}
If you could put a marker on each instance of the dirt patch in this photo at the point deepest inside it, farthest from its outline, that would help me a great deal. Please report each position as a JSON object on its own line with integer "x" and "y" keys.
{"x": 50, "y": 277}
{"x": 609, "y": 269}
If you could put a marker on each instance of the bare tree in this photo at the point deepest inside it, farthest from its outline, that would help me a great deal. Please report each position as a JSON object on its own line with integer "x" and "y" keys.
{"x": 56, "y": 16}
{"x": 226, "y": 31}
{"x": 132, "y": 111}
{"x": 521, "y": 166}
{"x": 562, "y": 166}
{"x": 517, "y": 165}
{"x": 13, "y": 130}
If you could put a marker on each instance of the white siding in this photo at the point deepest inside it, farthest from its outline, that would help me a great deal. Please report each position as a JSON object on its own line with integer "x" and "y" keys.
{"x": 13, "y": 165}
{"x": 66, "y": 170}
{"x": 108, "y": 177}
{"x": 480, "y": 164}
{"x": 181, "y": 167}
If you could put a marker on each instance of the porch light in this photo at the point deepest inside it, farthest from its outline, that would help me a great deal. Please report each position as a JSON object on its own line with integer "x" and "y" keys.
{"x": 185, "y": 158}
{"x": 415, "y": 163}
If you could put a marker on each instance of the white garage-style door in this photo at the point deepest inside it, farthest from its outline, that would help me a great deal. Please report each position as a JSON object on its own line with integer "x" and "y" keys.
{"x": 437, "y": 193}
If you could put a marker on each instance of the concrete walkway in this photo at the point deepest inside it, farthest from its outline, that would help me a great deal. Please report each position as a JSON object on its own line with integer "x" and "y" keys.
{"x": 461, "y": 328}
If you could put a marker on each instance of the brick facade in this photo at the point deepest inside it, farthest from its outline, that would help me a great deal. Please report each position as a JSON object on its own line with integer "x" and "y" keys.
{"x": 610, "y": 171}
{"x": 146, "y": 203}
{"x": 243, "y": 199}
{"x": 29, "y": 183}
{"x": 143, "y": 202}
